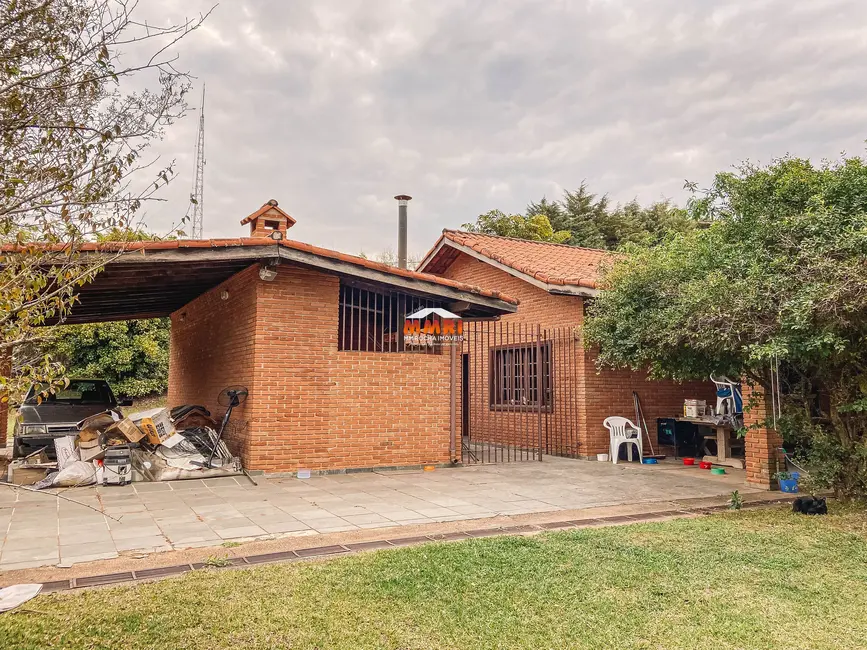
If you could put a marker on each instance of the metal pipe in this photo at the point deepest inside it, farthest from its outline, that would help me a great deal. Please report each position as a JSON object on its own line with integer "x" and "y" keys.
{"x": 402, "y": 200}
{"x": 539, "y": 385}
{"x": 453, "y": 405}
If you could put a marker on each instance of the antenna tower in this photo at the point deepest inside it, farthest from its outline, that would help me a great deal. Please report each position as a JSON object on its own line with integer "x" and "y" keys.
{"x": 199, "y": 179}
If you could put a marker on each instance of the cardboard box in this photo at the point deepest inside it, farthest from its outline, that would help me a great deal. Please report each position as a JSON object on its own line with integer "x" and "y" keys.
{"x": 156, "y": 423}
{"x": 90, "y": 450}
{"x": 66, "y": 451}
{"x": 128, "y": 429}
{"x": 20, "y": 474}
{"x": 90, "y": 428}
{"x": 694, "y": 408}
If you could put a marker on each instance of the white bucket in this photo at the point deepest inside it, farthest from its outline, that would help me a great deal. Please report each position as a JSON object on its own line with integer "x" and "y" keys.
{"x": 602, "y": 458}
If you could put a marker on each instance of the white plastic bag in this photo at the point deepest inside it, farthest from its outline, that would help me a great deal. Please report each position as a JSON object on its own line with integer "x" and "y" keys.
{"x": 11, "y": 597}
{"x": 79, "y": 472}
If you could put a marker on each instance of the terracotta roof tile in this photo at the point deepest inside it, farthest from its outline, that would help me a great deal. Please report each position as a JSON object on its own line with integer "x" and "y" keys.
{"x": 145, "y": 246}
{"x": 558, "y": 264}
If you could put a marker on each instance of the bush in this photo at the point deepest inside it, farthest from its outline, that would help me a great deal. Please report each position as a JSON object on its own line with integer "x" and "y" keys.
{"x": 133, "y": 356}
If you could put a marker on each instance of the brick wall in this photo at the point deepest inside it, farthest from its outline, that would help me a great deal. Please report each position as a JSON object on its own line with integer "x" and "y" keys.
{"x": 212, "y": 347}
{"x": 310, "y": 406}
{"x": 587, "y": 396}
{"x": 341, "y": 409}
{"x": 609, "y": 392}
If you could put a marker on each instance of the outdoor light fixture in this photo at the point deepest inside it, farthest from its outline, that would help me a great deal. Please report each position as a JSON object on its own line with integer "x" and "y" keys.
{"x": 224, "y": 295}
{"x": 267, "y": 273}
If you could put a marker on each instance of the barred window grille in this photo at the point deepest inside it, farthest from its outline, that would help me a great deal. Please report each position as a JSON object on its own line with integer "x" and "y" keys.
{"x": 372, "y": 320}
{"x": 519, "y": 378}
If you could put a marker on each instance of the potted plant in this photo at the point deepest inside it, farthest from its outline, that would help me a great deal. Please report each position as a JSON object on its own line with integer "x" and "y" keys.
{"x": 788, "y": 482}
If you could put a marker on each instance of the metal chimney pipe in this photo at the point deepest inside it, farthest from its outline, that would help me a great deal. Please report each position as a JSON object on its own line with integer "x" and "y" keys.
{"x": 402, "y": 200}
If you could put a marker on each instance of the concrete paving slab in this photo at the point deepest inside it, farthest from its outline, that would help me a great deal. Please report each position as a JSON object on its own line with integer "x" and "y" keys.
{"x": 144, "y": 488}
{"x": 28, "y": 555}
{"x": 284, "y": 526}
{"x": 89, "y": 548}
{"x": 367, "y": 519}
{"x": 136, "y": 530}
{"x": 239, "y": 532}
{"x": 46, "y": 544}
{"x": 70, "y": 560}
{"x": 184, "y": 514}
{"x": 149, "y": 544}
{"x": 32, "y": 564}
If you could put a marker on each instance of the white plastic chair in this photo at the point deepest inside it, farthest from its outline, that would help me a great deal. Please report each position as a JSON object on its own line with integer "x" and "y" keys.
{"x": 623, "y": 431}
{"x": 728, "y": 396}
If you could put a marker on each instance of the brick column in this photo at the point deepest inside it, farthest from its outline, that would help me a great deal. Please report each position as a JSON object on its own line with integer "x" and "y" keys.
{"x": 762, "y": 443}
{"x": 5, "y": 371}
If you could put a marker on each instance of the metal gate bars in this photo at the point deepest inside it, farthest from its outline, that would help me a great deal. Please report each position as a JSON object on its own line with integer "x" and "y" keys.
{"x": 518, "y": 388}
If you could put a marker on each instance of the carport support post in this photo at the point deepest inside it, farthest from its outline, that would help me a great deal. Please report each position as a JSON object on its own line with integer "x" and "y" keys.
{"x": 762, "y": 458}
{"x": 452, "y": 403}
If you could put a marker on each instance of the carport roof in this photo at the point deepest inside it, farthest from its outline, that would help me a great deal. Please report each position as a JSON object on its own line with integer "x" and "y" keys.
{"x": 150, "y": 279}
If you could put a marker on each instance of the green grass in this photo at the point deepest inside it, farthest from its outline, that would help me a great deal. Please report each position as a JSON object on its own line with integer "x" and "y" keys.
{"x": 145, "y": 404}
{"x": 751, "y": 579}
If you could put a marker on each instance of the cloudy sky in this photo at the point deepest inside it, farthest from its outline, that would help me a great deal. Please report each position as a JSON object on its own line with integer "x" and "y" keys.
{"x": 334, "y": 106}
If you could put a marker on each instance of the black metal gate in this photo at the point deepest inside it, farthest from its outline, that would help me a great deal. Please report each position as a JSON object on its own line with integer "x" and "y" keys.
{"x": 518, "y": 392}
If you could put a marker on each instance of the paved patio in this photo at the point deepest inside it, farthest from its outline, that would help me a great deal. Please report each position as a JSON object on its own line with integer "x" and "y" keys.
{"x": 40, "y": 530}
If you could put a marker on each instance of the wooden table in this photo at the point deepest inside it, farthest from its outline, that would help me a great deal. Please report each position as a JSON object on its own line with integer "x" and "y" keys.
{"x": 723, "y": 442}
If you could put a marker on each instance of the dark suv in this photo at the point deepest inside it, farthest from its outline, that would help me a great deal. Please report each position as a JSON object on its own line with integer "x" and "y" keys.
{"x": 40, "y": 422}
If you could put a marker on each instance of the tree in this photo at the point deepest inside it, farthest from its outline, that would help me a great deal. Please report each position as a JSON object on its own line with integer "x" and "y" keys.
{"x": 632, "y": 223}
{"x": 72, "y": 146}
{"x": 389, "y": 257}
{"x": 536, "y": 227}
{"x": 584, "y": 216}
{"x": 132, "y": 355}
{"x": 777, "y": 280}
{"x": 593, "y": 223}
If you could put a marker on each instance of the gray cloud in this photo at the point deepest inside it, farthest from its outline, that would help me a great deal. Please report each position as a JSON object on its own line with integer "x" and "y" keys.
{"x": 333, "y": 107}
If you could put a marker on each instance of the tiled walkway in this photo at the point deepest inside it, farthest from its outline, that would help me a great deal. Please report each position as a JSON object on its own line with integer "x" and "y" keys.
{"x": 41, "y": 530}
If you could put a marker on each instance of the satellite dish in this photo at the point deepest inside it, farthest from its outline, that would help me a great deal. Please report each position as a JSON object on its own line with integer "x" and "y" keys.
{"x": 233, "y": 396}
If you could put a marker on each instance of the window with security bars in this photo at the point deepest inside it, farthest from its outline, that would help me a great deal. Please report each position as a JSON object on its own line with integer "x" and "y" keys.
{"x": 520, "y": 376}
{"x": 372, "y": 321}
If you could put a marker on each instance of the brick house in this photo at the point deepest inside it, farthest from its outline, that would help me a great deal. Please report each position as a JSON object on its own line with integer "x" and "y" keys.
{"x": 552, "y": 283}
{"x": 315, "y": 335}
{"x": 318, "y": 340}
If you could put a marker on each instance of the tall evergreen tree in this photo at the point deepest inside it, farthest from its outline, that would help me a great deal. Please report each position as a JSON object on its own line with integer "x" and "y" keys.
{"x": 592, "y": 221}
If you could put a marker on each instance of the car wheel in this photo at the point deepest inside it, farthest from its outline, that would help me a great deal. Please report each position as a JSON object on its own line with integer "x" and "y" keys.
{"x": 17, "y": 450}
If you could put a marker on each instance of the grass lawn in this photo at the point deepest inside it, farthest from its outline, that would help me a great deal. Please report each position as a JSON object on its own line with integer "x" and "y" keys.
{"x": 755, "y": 579}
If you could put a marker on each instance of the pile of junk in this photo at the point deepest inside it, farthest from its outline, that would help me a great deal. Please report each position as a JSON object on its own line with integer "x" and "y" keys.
{"x": 162, "y": 444}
